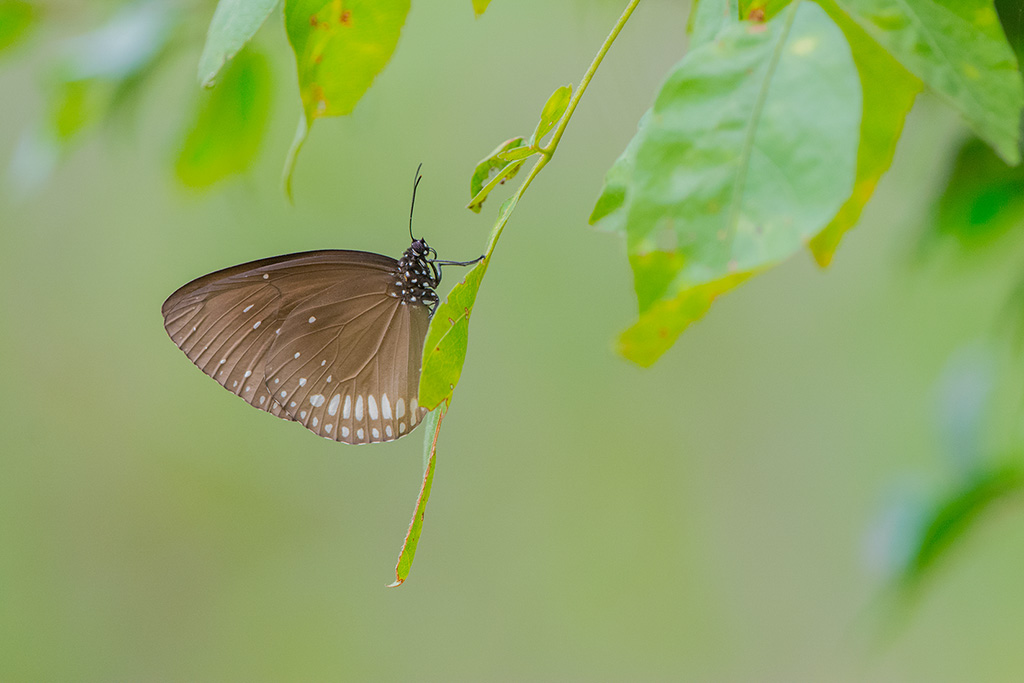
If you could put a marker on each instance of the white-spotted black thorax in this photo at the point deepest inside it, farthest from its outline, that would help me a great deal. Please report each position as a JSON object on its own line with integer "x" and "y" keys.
{"x": 417, "y": 275}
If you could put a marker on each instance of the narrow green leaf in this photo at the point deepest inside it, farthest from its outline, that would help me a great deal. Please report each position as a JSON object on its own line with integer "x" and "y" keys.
{"x": 889, "y": 92}
{"x": 340, "y": 48}
{"x": 480, "y": 6}
{"x": 508, "y": 172}
{"x": 234, "y": 23}
{"x": 552, "y": 113}
{"x": 491, "y": 163}
{"x": 749, "y": 152}
{"x": 229, "y": 124}
{"x": 953, "y": 517}
{"x": 958, "y": 48}
{"x": 444, "y": 351}
{"x": 432, "y": 428}
{"x": 517, "y": 154}
{"x": 16, "y": 18}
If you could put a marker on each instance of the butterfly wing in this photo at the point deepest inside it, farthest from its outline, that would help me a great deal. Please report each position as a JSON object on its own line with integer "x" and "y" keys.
{"x": 351, "y": 372}
{"x": 239, "y": 324}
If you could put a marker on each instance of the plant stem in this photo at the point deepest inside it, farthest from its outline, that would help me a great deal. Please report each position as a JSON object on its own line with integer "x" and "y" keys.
{"x": 585, "y": 81}
{"x": 548, "y": 151}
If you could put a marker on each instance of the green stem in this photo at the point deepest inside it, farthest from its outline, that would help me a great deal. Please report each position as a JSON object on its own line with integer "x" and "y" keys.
{"x": 548, "y": 151}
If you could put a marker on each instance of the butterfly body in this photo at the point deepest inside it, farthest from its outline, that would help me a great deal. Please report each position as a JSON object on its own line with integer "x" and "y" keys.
{"x": 331, "y": 339}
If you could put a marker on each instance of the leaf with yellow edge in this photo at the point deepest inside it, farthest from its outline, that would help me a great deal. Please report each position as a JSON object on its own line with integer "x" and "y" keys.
{"x": 889, "y": 91}
{"x": 340, "y": 46}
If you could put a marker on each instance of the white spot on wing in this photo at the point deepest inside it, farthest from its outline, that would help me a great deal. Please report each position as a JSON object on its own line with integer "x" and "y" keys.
{"x": 401, "y": 428}
{"x": 360, "y": 433}
{"x": 248, "y": 373}
{"x": 400, "y": 408}
{"x": 302, "y": 414}
{"x": 359, "y": 408}
{"x": 344, "y": 431}
{"x": 312, "y": 318}
{"x": 316, "y": 420}
{"x": 385, "y": 407}
{"x": 316, "y": 400}
{"x": 389, "y": 431}
{"x": 328, "y": 428}
{"x": 302, "y": 381}
{"x": 297, "y": 354}
{"x": 265, "y": 276}
{"x": 376, "y": 433}
{"x": 248, "y": 308}
{"x": 346, "y": 412}
{"x": 332, "y": 407}
{"x": 371, "y": 404}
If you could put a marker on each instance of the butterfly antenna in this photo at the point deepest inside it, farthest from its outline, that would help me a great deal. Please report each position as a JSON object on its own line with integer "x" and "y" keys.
{"x": 415, "y": 184}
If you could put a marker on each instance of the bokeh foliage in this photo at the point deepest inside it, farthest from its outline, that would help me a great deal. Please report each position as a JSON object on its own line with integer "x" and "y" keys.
{"x": 736, "y": 141}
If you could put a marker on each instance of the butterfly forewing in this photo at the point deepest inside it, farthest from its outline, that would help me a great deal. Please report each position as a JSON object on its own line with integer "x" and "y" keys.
{"x": 284, "y": 331}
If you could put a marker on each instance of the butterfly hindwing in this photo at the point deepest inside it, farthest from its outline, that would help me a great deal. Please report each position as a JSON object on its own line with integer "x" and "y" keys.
{"x": 350, "y": 372}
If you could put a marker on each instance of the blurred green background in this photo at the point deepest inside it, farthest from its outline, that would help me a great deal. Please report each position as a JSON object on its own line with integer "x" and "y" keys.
{"x": 709, "y": 519}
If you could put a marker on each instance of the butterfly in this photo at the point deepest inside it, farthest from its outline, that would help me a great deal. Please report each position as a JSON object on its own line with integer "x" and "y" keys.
{"x": 331, "y": 339}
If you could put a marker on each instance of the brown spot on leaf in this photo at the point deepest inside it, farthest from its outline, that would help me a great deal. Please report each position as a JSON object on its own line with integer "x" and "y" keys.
{"x": 346, "y": 18}
{"x": 313, "y": 21}
{"x": 451, "y": 322}
{"x": 756, "y": 14}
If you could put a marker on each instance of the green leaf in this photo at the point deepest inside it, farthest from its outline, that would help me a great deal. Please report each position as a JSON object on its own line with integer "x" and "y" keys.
{"x": 234, "y": 23}
{"x": 982, "y": 200}
{"x": 444, "y": 350}
{"x": 480, "y": 6}
{"x": 229, "y": 124}
{"x": 749, "y": 152}
{"x": 16, "y": 18}
{"x": 889, "y": 91}
{"x": 953, "y": 517}
{"x": 340, "y": 48}
{"x": 552, "y": 113}
{"x": 517, "y": 154}
{"x": 708, "y": 17}
{"x": 506, "y": 173}
{"x": 762, "y": 10}
{"x": 958, "y": 49}
{"x": 491, "y": 163}
{"x": 432, "y": 428}
{"x": 606, "y": 215}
